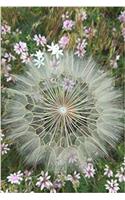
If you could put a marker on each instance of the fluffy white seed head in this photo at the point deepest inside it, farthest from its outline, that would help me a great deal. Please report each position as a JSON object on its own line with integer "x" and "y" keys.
{"x": 54, "y": 114}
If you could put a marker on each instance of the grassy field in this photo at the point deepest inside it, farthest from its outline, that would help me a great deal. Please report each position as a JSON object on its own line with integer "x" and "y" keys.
{"x": 104, "y": 34}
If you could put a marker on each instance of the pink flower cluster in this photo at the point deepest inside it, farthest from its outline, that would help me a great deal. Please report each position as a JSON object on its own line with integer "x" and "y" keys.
{"x": 113, "y": 185}
{"x": 6, "y": 66}
{"x": 44, "y": 181}
{"x": 22, "y": 50}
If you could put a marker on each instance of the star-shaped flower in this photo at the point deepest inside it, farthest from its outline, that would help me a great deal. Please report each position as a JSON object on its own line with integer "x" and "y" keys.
{"x": 54, "y": 48}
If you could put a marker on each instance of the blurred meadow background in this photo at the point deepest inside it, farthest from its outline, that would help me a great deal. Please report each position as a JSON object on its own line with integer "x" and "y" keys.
{"x": 103, "y": 29}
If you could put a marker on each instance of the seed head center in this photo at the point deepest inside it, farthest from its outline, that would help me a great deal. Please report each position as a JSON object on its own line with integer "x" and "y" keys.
{"x": 62, "y": 110}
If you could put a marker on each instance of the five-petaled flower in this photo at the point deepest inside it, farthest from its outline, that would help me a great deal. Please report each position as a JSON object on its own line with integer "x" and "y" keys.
{"x": 15, "y": 178}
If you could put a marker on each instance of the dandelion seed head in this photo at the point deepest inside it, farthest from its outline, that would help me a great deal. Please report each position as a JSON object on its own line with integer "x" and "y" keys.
{"x": 51, "y": 121}
{"x": 62, "y": 110}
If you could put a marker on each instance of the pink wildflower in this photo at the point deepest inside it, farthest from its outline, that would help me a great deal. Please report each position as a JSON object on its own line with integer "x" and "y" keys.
{"x": 64, "y": 41}
{"x": 40, "y": 40}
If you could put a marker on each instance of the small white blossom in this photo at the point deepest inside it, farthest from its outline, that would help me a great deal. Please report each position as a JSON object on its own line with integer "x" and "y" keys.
{"x": 4, "y": 149}
{"x": 9, "y": 57}
{"x": 43, "y": 181}
{"x": 39, "y": 54}
{"x": 74, "y": 178}
{"x": 25, "y": 57}
{"x": 1, "y": 135}
{"x": 65, "y": 16}
{"x": 117, "y": 57}
{"x": 89, "y": 170}
{"x": 27, "y": 175}
{"x": 107, "y": 171}
{"x": 121, "y": 174}
{"x": 83, "y": 15}
{"x": 15, "y": 178}
{"x": 112, "y": 186}
{"x": 55, "y": 49}
{"x": 123, "y": 162}
{"x": 39, "y": 60}
{"x": 114, "y": 61}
